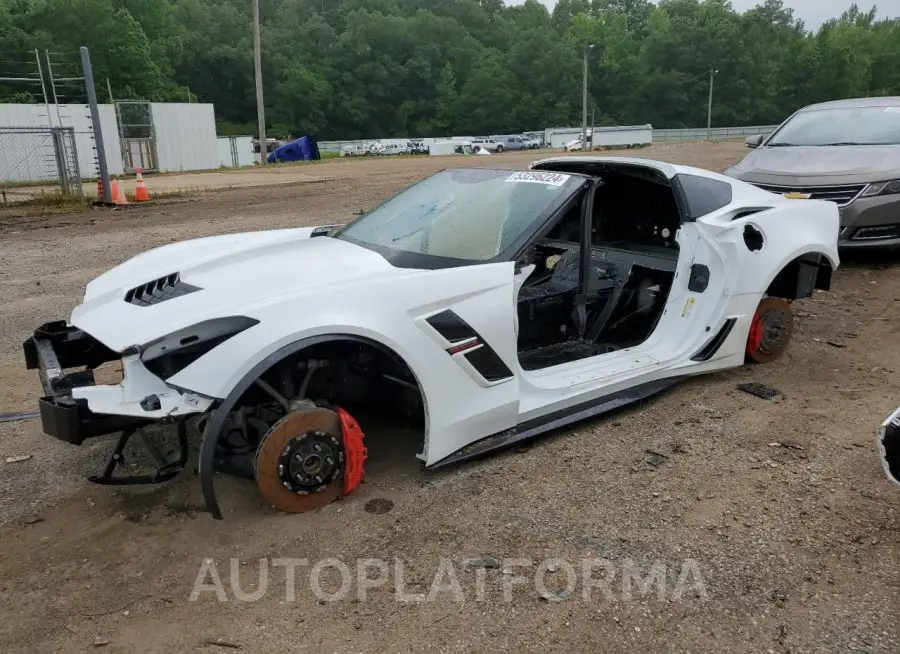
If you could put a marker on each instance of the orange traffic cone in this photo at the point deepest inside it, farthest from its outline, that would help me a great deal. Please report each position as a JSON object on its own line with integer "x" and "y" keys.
{"x": 140, "y": 192}
{"x": 114, "y": 190}
{"x": 119, "y": 196}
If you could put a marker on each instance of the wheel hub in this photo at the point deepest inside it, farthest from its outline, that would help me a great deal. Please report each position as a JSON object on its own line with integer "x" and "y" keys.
{"x": 310, "y": 462}
{"x": 770, "y": 330}
{"x": 774, "y": 330}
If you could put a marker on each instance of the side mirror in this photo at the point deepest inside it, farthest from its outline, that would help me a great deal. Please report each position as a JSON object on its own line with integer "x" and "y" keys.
{"x": 754, "y": 141}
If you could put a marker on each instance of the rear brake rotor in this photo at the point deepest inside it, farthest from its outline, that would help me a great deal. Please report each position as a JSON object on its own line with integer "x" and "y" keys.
{"x": 771, "y": 330}
{"x": 300, "y": 461}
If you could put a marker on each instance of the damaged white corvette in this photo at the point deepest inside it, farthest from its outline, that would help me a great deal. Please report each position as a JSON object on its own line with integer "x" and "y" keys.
{"x": 487, "y": 306}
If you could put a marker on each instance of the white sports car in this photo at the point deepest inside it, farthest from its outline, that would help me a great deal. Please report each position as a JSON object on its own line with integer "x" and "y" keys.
{"x": 487, "y": 305}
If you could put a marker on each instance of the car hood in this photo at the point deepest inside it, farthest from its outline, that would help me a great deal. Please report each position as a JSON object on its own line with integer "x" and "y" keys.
{"x": 819, "y": 166}
{"x": 234, "y": 273}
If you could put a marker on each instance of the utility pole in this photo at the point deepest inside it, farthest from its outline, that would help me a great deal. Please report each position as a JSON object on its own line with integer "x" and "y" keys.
{"x": 584, "y": 101}
{"x": 95, "y": 123}
{"x": 712, "y": 74}
{"x": 260, "y": 105}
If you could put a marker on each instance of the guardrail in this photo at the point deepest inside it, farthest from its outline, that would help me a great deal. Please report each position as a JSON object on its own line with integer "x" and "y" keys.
{"x": 716, "y": 133}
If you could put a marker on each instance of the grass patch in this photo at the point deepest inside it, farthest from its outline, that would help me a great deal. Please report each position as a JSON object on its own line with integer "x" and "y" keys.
{"x": 50, "y": 200}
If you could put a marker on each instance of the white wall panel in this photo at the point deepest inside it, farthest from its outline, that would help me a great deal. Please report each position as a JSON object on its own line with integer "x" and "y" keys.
{"x": 185, "y": 136}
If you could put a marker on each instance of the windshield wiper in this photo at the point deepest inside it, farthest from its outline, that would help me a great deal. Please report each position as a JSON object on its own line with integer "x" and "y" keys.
{"x": 781, "y": 145}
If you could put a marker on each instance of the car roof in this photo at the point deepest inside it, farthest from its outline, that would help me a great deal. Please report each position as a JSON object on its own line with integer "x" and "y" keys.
{"x": 669, "y": 170}
{"x": 855, "y": 103}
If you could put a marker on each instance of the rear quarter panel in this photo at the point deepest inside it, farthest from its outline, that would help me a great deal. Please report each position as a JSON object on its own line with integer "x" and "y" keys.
{"x": 790, "y": 228}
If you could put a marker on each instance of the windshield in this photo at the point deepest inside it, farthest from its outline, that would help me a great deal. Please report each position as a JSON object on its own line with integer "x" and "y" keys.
{"x": 470, "y": 214}
{"x": 848, "y": 126}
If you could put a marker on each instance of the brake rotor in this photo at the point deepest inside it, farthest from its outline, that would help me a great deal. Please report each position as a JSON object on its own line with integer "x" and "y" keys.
{"x": 771, "y": 330}
{"x": 300, "y": 461}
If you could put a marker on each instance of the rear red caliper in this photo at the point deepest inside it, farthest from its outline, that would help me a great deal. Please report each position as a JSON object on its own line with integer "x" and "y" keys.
{"x": 756, "y": 333}
{"x": 354, "y": 451}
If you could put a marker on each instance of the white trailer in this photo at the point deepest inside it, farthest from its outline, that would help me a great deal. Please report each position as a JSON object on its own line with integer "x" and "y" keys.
{"x": 618, "y": 136}
{"x": 626, "y": 136}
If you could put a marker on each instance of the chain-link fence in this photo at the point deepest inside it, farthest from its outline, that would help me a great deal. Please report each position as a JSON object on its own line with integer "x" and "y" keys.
{"x": 36, "y": 161}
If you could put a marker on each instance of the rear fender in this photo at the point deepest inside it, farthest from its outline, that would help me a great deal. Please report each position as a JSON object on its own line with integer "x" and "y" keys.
{"x": 759, "y": 243}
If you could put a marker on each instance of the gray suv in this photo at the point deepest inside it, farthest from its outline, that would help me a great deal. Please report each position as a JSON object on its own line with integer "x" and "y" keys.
{"x": 846, "y": 151}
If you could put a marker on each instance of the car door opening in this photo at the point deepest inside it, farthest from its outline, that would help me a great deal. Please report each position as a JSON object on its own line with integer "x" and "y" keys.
{"x": 624, "y": 230}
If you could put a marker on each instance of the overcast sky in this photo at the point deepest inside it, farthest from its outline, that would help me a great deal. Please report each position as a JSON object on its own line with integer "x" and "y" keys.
{"x": 813, "y": 12}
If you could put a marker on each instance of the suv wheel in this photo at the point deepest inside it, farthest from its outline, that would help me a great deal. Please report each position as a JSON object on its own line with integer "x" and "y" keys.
{"x": 499, "y": 149}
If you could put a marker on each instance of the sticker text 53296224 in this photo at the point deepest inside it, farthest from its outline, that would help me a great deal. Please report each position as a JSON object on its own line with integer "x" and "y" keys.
{"x": 551, "y": 179}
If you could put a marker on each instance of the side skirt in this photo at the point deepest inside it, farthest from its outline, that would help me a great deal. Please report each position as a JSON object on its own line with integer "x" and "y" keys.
{"x": 537, "y": 426}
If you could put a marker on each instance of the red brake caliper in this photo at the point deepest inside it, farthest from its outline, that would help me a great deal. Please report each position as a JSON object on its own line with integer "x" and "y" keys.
{"x": 755, "y": 337}
{"x": 354, "y": 451}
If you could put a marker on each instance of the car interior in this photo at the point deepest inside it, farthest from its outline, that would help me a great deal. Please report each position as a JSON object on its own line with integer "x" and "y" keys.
{"x": 580, "y": 303}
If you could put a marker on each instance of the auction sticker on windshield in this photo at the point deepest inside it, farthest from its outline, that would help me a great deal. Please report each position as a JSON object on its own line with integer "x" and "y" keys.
{"x": 551, "y": 179}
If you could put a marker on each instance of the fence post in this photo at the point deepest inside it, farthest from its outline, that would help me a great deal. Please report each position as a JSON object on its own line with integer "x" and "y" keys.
{"x": 95, "y": 122}
{"x": 59, "y": 150}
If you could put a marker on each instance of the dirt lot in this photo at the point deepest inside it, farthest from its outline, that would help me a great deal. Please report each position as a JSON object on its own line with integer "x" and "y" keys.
{"x": 796, "y": 545}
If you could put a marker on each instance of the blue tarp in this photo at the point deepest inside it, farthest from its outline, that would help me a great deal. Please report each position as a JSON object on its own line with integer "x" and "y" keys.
{"x": 303, "y": 149}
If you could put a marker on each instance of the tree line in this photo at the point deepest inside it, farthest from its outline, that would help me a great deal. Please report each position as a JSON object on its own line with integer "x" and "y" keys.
{"x": 383, "y": 68}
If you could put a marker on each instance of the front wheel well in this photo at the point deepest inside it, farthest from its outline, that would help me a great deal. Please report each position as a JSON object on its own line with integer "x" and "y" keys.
{"x": 355, "y": 373}
{"x": 343, "y": 371}
{"x": 802, "y": 277}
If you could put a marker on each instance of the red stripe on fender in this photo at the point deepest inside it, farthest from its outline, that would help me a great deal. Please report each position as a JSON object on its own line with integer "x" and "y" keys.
{"x": 464, "y": 347}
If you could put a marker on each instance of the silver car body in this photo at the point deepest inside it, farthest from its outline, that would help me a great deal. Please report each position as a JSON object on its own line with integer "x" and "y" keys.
{"x": 846, "y": 151}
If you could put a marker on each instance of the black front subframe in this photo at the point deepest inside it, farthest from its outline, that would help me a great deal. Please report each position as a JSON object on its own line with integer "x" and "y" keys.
{"x": 168, "y": 464}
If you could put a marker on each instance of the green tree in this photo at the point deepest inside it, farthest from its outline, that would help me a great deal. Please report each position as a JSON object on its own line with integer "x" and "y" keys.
{"x": 380, "y": 68}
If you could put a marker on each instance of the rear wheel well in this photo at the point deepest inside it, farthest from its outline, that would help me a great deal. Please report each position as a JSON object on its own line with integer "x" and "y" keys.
{"x": 802, "y": 277}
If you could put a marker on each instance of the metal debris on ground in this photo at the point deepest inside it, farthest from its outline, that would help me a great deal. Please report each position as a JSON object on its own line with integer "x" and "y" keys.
{"x": 836, "y": 344}
{"x": 790, "y": 445}
{"x": 18, "y": 416}
{"x": 655, "y": 458}
{"x": 763, "y": 391}
{"x": 379, "y": 506}
{"x": 18, "y": 459}
{"x": 488, "y": 562}
{"x": 221, "y": 643}
{"x": 33, "y": 519}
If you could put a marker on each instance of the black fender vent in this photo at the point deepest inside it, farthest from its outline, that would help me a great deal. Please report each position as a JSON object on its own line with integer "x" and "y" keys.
{"x": 463, "y": 338}
{"x": 709, "y": 350}
{"x": 159, "y": 290}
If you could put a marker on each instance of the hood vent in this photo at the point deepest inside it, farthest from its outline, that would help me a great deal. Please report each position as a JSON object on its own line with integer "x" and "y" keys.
{"x": 159, "y": 290}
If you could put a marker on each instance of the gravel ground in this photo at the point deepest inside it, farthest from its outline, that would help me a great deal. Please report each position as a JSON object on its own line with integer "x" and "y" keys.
{"x": 763, "y": 548}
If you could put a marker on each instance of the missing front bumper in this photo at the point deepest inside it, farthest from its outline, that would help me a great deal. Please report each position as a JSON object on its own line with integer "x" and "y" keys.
{"x": 74, "y": 408}
{"x": 55, "y": 347}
